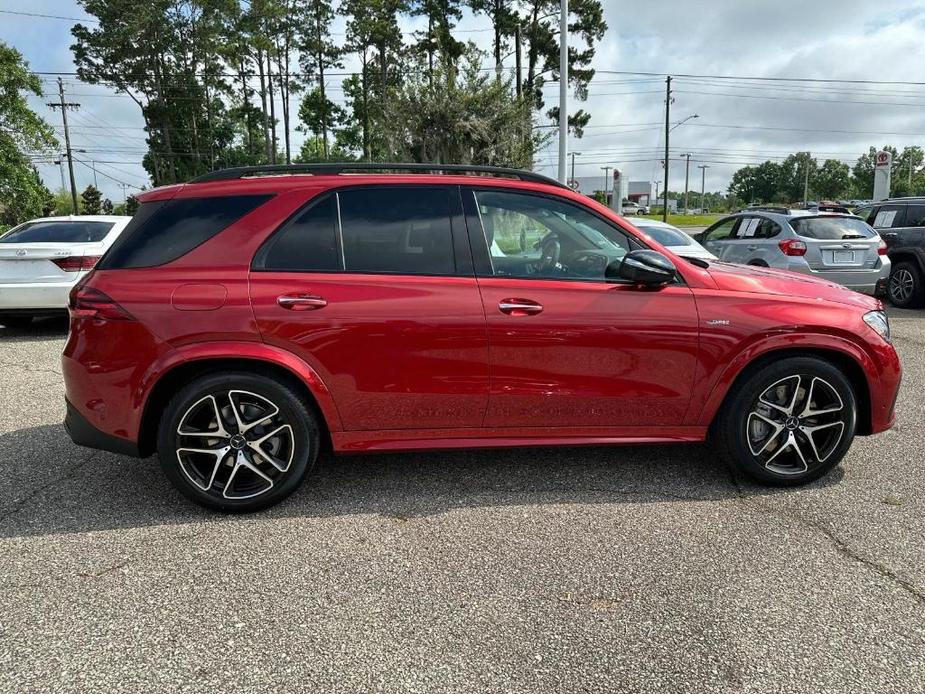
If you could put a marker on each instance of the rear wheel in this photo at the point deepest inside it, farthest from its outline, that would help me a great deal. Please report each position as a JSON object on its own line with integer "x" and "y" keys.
{"x": 14, "y": 320}
{"x": 906, "y": 287}
{"x": 237, "y": 442}
{"x": 790, "y": 422}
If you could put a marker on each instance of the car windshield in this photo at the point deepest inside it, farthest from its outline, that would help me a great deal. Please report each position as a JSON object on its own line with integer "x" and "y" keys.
{"x": 832, "y": 228}
{"x": 667, "y": 236}
{"x": 58, "y": 232}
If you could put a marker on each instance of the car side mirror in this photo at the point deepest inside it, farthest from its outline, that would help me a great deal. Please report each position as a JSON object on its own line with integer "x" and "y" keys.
{"x": 648, "y": 268}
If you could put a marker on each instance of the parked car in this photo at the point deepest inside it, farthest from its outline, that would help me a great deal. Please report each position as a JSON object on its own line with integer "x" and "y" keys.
{"x": 839, "y": 248}
{"x": 901, "y": 223}
{"x": 672, "y": 238}
{"x": 633, "y": 208}
{"x": 41, "y": 260}
{"x": 247, "y": 319}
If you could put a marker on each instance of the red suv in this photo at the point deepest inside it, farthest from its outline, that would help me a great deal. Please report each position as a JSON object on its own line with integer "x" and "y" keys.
{"x": 247, "y": 319}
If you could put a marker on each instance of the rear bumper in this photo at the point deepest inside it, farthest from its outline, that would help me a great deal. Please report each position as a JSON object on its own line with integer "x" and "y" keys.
{"x": 39, "y": 296}
{"x": 83, "y": 433}
{"x": 864, "y": 281}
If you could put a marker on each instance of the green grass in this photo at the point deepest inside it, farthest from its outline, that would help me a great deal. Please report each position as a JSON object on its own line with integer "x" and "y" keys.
{"x": 686, "y": 220}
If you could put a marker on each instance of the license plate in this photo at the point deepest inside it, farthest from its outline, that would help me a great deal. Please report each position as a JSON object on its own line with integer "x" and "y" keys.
{"x": 843, "y": 257}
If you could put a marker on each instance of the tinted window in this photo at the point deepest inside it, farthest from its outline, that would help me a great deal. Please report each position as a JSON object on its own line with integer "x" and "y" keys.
{"x": 721, "y": 230}
{"x": 832, "y": 228}
{"x": 307, "y": 242}
{"x": 865, "y": 213}
{"x": 161, "y": 232}
{"x": 915, "y": 216}
{"x": 397, "y": 230}
{"x": 58, "y": 232}
{"x": 538, "y": 237}
{"x": 888, "y": 217}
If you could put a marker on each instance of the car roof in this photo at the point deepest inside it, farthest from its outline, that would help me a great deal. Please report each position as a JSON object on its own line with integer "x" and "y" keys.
{"x": 82, "y": 218}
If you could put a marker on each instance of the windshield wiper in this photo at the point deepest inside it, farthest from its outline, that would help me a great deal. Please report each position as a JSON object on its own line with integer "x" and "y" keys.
{"x": 852, "y": 236}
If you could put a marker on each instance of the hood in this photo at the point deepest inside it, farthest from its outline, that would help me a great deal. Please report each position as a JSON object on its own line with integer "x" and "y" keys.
{"x": 762, "y": 280}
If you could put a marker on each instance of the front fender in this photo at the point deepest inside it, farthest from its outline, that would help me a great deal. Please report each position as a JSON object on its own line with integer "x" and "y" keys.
{"x": 781, "y": 342}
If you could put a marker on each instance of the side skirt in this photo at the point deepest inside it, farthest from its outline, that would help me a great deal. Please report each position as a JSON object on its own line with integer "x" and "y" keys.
{"x": 434, "y": 439}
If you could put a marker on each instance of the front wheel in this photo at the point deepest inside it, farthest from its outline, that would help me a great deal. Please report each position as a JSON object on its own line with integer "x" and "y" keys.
{"x": 236, "y": 441}
{"x": 788, "y": 423}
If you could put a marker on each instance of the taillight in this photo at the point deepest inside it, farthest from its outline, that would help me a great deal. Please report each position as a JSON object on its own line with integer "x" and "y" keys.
{"x": 792, "y": 247}
{"x": 881, "y": 247}
{"x": 87, "y": 302}
{"x": 76, "y": 263}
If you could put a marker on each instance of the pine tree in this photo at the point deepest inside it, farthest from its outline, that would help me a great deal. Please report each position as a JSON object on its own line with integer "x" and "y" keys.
{"x": 92, "y": 200}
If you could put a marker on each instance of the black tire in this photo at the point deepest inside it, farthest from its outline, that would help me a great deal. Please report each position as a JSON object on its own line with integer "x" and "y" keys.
{"x": 253, "y": 396}
{"x": 15, "y": 320}
{"x": 742, "y": 432}
{"x": 906, "y": 288}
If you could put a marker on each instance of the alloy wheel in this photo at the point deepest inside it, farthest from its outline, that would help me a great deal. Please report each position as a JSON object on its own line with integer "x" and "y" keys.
{"x": 796, "y": 424}
{"x": 902, "y": 285}
{"x": 234, "y": 444}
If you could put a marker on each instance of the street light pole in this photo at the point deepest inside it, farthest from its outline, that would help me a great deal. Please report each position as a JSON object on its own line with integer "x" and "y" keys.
{"x": 703, "y": 179}
{"x": 606, "y": 170}
{"x": 687, "y": 171}
{"x": 563, "y": 88}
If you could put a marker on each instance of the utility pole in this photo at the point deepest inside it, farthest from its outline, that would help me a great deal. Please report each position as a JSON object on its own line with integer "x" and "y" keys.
{"x": 517, "y": 59}
{"x": 703, "y": 179}
{"x": 687, "y": 171}
{"x": 563, "y": 88}
{"x": 806, "y": 182}
{"x": 124, "y": 192}
{"x": 60, "y": 164}
{"x": 667, "y": 130}
{"x": 64, "y": 106}
{"x": 93, "y": 166}
{"x": 606, "y": 170}
{"x": 573, "y": 155}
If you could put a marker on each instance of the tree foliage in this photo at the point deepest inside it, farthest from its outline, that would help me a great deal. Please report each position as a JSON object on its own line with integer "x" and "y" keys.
{"x": 92, "y": 200}
{"x": 22, "y": 193}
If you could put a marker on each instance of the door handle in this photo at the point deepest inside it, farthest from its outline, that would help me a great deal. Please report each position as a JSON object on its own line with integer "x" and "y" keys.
{"x": 752, "y": 248}
{"x": 890, "y": 235}
{"x": 519, "y": 307}
{"x": 301, "y": 302}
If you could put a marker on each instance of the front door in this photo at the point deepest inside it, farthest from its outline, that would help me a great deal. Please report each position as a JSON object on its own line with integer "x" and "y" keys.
{"x": 567, "y": 348}
{"x": 373, "y": 287}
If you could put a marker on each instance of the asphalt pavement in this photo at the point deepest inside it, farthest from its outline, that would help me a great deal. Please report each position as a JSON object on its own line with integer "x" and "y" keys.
{"x": 637, "y": 569}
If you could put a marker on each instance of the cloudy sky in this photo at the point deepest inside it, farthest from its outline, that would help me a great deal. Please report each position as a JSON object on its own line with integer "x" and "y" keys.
{"x": 741, "y": 121}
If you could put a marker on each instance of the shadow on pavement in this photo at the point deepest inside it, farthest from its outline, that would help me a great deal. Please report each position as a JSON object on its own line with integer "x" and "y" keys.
{"x": 50, "y": 328}
{"x": 52, "y": 486}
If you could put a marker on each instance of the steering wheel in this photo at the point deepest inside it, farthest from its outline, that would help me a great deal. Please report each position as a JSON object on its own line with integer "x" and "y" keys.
{"x": 550, "y": 251}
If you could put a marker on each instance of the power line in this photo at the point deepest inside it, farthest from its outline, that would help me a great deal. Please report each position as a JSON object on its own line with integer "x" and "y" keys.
{"x": 49, "y": 16}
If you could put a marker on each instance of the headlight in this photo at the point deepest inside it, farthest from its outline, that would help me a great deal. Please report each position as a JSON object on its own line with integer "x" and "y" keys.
{"x": 879, "y": 322}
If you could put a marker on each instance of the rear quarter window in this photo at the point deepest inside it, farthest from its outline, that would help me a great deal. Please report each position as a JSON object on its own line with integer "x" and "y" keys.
{"x": 160, "y": 232}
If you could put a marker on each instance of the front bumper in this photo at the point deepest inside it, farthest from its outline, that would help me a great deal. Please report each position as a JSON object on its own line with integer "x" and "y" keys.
{"x": 83, "y": 433}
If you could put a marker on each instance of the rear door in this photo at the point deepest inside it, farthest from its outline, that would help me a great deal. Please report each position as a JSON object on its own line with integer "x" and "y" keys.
{"x": 49, "y": 252}
{"x": 907, "y": 229}
{"x": 374, "y": 288}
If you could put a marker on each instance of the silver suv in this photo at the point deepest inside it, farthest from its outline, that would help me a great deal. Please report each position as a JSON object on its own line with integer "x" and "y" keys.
{"x": 840, "y": 248}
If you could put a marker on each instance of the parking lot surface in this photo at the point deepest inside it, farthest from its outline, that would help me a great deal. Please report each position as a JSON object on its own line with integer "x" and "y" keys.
{"x": 641, "y": 569}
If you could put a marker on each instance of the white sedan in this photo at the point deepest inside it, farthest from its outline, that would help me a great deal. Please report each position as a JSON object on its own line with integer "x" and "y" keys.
{"x": 41, "y": 260}
{"x": 673, "y": 238}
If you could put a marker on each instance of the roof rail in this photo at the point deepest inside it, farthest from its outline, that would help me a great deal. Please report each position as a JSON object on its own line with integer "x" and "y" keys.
{"x": 766, "y": 208}
{"x": 334, "y": 168}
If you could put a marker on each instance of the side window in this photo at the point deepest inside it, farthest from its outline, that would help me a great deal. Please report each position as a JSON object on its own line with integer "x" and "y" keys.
{"x": 915, "y": 216}
{"x": 888, "y": 217}
{"x": 307, "y": 242}
{"x": 161, "y": 232}
{"x": 767, "y": 229}
{"x": 533, "y": 236}
{"x": 748, "y": 228}
{"x": 401, "y": 230}
{"x": 721, "y": 230}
